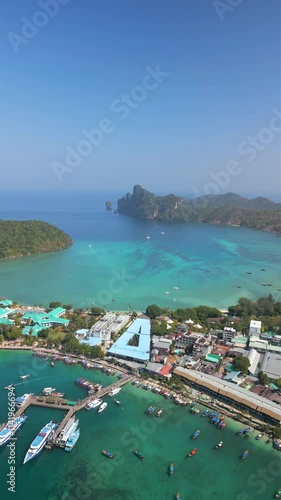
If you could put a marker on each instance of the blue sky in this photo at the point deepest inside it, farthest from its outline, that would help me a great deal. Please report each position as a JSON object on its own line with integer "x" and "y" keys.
{"x": 221, "y": 85}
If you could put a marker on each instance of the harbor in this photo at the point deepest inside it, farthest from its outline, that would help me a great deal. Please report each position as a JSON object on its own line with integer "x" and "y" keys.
{"x": 121, "y": 430}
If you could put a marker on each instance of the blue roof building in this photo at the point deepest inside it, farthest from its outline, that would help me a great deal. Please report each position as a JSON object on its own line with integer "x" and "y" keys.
{"x": 141, "y": 352}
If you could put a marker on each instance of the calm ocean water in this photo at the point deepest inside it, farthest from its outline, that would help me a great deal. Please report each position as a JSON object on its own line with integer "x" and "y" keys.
{"x": 85, "y": 474}
{"x": 113, "y": 264}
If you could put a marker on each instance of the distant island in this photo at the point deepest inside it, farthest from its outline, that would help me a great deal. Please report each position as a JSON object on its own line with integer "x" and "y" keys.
{"x": 21, "y": 238}
{"x": 228, "y": 209}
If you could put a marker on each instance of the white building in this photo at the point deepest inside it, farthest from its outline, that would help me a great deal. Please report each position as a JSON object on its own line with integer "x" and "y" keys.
{"x": 255, "y": 328}
{"x": 228, "y": 334}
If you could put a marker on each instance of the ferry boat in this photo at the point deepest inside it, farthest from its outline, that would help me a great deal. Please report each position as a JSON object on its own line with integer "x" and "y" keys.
{"x": 108, "y": 454}
{"x": 192, "y": 453}
{"x": 102, "y": 407}
{"x": 39, "y": 442}
{"x": 171, "y": 469}
{"x": 10, "y": 428}
{"x": 115, "y": 391}
{"x": 22, "y": 377}
{"x": 93, "y": 404}
{"x": 245, "y": 454}
{"x": 72, "y": 440}
{"x": 68, "y": 431}
{"x": 21, "y": 400}
{"x": 150, "y": 410}
{"x": 195, "y": 434}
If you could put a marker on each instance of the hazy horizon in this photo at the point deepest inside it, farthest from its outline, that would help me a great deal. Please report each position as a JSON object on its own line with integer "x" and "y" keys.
{"x": 181, "y": 98}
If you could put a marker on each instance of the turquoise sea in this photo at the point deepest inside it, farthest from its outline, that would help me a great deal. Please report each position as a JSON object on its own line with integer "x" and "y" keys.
{"x": 86, "y": 474}
{"x": 113, "y": 264}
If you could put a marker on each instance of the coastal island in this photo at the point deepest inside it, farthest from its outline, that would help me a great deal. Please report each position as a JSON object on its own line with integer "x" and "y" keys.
{"x": 229, "y": 209}
{"x": 22, "y": 238}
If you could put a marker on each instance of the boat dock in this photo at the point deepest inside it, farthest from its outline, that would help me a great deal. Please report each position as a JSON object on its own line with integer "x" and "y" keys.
{"x": 60, "y": 404}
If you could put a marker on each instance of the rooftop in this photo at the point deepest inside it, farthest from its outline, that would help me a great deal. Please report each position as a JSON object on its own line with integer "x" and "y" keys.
{"x": 234, "y": 392}
{"x": 140, "y": 327}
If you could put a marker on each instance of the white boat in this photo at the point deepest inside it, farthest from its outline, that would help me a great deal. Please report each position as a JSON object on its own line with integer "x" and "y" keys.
{"x": 117, "y": 402}
{"x": 39, "y": 442}
{"x": 102, "y": 407}
{"x": 167, "y": 293}
{"x": 175, "y": 288}
{"x": 115, "y": 391}
{"x": 22, "y": 399}
{"x": 94, "y": 404}
{"x": 71, "y": 442}
{"x": 22, "y": 377}
{"x": 148, "y": 237}
{"x": 70, "y": 428}
{"x": 162, "y": 232}
{"x": 48, "y": 391}
{"x": 9, "y": 429}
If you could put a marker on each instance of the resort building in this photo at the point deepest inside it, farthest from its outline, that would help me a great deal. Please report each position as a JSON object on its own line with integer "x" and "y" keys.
{"x": 103, "y": 330}
{"x": 254, "y": 358}
{"x": 4, "y": 302}
{"x": 134, "y": 344}
{"x": 232, "y": 394}
{"x": 39, "y": 321}
{"x": 4, "y": 313}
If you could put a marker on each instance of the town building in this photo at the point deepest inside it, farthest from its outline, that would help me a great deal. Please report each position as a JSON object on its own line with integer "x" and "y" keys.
{"x": 4, "y": 319}
{"x": 103, "y": 330}
{"x": 228, "y": 334}
{"x": 255, "y": 328}
{"x": 134, "y": 344}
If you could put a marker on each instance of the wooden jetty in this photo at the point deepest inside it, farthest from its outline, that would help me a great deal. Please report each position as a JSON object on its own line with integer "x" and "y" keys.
{"x": 71, "y": 410}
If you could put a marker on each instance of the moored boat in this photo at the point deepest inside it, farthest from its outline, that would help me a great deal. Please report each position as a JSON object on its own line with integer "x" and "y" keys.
{"x": 108, "y": 454}
{"x": 245, "y": 454}
{"x": 159, "y": 413}
{"x": 259, "y": 436}
{"x": 192, "y": 453}
{"x": 39, "y": 442}
{"x": 171, "y": 469}
{"x": 117, "y": 402}
{"x": 47, "y": 391}
{"x": 139, "y": 455}
{"x": 10, "y": 428}
{"x": 72, "y": 440}
{"x": 195, "y": 434}
{"x": 115, "y": 391}
{"x": 21, "y": 400}
{"x": 178, "y": 497}
{"x": 93, "y": 404}
{"x": 150, "y": 410}
{"x": 52, "y": 364}
{"x": 102, "y": 407}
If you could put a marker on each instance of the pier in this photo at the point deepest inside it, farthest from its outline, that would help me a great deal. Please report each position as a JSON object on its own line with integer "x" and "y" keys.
{"x": 71, "y": 410}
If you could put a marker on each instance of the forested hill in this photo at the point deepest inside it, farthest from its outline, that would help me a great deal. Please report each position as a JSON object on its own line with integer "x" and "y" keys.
{"x": 20, "y": 238}
{"x": 229, "y": 209}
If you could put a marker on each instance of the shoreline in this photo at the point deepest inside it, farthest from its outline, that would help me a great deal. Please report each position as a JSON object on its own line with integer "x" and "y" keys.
{"x": 196, "y": 398}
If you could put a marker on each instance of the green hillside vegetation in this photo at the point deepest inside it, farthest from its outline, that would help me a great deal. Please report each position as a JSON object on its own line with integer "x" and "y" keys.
{"x": 229, "y": 209}
{"x": 21, "y": 238}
